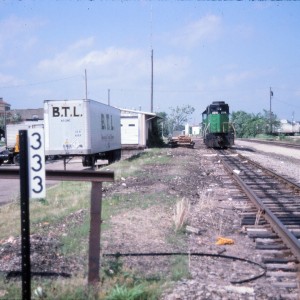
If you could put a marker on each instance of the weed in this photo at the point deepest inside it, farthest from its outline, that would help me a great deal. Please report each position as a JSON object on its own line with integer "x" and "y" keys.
{"x": 120, "y": 283}
{"x": 181, "y": 213}
{"x": 124, "y": 284}
{"x": 205, "y": 204}
{"x": 137, "y": 292}
{"x": 179, "y": 268}
{"x": 112, "y": 267}
{"x": 43, "y": 201}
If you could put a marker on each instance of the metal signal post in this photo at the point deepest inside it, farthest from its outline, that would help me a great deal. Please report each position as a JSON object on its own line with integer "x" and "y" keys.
{"x": 36, "y": 164}
{"x": 32, "y": 185}
{"x": 25, "y": 223}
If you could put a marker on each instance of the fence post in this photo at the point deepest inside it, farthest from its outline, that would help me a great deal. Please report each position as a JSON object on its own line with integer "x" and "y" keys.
{"x": 95, "y": 231}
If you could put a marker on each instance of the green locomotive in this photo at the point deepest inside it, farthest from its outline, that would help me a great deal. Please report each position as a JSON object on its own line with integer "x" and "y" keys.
{"x": 217, "y": 130}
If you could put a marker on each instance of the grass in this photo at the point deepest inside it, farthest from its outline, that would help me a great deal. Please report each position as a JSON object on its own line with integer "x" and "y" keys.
{"x": 76, "y": 239}
{"x": 69, "y": 197}
{"x": 61, "y": 200}
{"x": 177, "y": 238}
{"x": 123, "y": 292}
{"x": 120, "y": 202}
{"x": 133, "y": 291}
{"x": 133, "y": 166}
{"x": 289, "y": 139}
{"x": 10, "y": 220}
{"x": 121, "y": 283}
{"x": 179, "y": 267}
{"x": 280, "y": 137}
{"x": 59, "y": 289}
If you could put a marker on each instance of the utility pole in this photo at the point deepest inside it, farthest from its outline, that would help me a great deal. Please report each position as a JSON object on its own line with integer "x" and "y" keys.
{"x": 108, "y": 100}
{"x": 271, "y": 95}
{"x": 151, "y": 21}
{"x": 152, "y": 80}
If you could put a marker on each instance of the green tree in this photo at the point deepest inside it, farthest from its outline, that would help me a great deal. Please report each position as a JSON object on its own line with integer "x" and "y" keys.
{"x": 16, "y": 118}
{"x": 1, "y": 122}
{"x": 250, "y": 125}
{"x": 9, "y": 118}
{"x": 275, "y": 123}
{"x": 163, "y": 123}
{"x": 178, "y": 116}
{"x": 154, "y": 135}
{"x": 240, "y": 119}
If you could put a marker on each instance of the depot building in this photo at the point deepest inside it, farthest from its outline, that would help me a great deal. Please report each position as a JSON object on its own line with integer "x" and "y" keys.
{"x": 135, "y": 128}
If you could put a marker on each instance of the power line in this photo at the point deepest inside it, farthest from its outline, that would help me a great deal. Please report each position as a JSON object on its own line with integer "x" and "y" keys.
{"x": 39, "y": 82}
{"x": 284, "y": 102}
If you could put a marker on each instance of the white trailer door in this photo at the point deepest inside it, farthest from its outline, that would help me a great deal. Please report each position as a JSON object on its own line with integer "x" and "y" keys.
{"x": 129, "y": 131}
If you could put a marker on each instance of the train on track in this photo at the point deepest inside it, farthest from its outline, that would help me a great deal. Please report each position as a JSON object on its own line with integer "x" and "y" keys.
{"x": 218, "y": 131}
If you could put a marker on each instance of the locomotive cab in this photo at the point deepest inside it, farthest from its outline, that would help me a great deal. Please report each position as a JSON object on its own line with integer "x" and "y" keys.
{"x": 218, "y": 107}
{"x": 217, "y": 130}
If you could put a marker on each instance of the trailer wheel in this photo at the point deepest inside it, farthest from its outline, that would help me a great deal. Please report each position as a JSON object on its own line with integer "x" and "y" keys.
{"x": 113, "y": 155}
{"x": 16, "y": 159}
{"x": 117, "y": 155}
{"x": 88, "y": 161}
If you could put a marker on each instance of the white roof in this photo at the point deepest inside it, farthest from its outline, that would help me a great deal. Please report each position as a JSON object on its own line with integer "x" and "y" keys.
{"x": 132, "y": 111}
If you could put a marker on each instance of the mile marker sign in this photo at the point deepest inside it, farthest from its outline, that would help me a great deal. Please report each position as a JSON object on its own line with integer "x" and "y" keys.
{"x": 36, "y": 163}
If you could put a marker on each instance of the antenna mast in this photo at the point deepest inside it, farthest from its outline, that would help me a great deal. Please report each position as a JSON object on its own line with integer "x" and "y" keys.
{"x": 85, "y": 84}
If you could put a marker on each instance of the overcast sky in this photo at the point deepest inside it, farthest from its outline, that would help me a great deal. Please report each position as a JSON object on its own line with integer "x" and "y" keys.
{"x": 203, "y": 52}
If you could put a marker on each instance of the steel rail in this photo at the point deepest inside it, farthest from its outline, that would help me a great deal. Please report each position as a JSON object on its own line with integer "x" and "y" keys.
{"x": 267, "y": 170}
{"x": 68, "y": 175}
{"x": 287, "y": 237}
{"x": 283, "y": 179}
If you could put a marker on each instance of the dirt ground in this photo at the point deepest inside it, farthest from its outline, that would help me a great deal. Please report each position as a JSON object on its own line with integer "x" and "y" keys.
{"x": 197, "y": 176}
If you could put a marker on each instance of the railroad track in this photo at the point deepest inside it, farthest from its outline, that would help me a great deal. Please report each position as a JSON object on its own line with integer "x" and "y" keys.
{"x": 273, "y": 218}
{"x": 273, "y": 143}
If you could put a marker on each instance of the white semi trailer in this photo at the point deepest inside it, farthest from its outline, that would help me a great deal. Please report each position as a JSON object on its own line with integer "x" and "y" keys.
{"x": 11, "y": 154}
{"x": 84, "y": 128}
